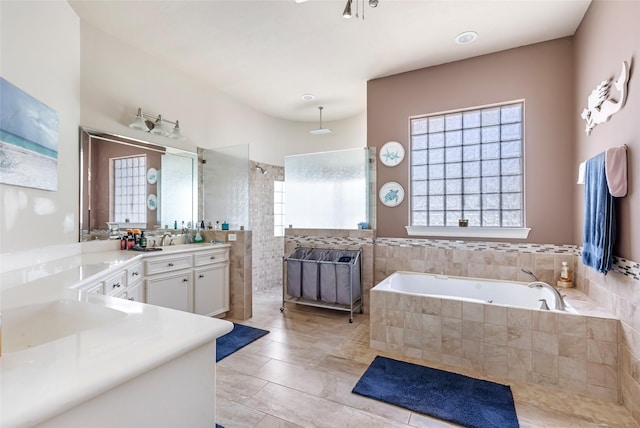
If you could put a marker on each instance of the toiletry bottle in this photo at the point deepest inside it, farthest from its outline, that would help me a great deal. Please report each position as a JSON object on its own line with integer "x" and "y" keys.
{"x": 202, "y": 225}
{"x": 123, "y": 242}
{"x": 136, "y": 236}
{"x": 565, "y": 273}
{"x": 225, "y": 225}
{"x": 175, "y": 224}
{"x": 143, "y": 240}
{"x": 217, "y": 227}
{"x": 130, "y": 240}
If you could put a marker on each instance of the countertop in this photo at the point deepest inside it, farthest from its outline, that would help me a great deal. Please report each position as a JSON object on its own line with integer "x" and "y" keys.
{"x": 45, "y": 380}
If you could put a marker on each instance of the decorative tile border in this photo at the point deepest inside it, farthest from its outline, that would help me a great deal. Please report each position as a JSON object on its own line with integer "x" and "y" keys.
{"x": 620, "y": 265}
{"x": 341, "y": 241}
{"x": 626, "y": 267}
{"x": 477, "y": 246}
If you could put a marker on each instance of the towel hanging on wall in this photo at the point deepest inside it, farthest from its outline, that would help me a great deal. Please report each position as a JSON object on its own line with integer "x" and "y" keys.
{"x": 616, "y": 170}
{"x": 599, "y": 231}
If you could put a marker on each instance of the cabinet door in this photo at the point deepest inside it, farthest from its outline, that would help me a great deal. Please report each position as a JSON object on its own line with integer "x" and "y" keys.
{"x": 211, "y": 289}
{"x": 135, "y": 293}
{"x": 170, "y": 291}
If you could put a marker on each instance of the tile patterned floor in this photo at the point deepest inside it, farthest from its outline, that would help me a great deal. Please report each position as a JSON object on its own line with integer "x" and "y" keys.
{"x": 301, "y": 375}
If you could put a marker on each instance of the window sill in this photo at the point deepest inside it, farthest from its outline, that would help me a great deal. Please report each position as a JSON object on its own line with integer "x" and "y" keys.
{"x": 469, "y": 232}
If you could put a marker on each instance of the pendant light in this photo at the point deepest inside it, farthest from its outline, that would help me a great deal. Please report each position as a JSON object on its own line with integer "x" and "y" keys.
{"x": 320, "y": 130}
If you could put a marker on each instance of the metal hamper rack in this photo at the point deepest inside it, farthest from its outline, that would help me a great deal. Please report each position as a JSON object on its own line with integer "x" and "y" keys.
{"x": 323, "y": 277}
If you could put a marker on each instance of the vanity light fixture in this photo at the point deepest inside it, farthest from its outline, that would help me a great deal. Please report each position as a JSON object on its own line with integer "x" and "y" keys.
{"x": 360, "y": 6}
{"x": 347, "y": 10}
{"x": 142, "y": 122}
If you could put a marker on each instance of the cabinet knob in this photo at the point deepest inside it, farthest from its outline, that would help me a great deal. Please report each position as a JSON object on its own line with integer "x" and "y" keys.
{"x": 185, "y": 279}
{"x": 136, "y": 273}
{"x": 170, "y": 264}
{"x": 116, "y": 285}
{"x": 212, "y": 257}
{"x": 201, "y": 276}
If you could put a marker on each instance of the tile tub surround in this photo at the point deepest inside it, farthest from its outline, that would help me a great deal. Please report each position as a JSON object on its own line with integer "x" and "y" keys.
{"x": 616, "y": 295}
{"x": 571, "y": 352}
{"x": 620, "y": 294}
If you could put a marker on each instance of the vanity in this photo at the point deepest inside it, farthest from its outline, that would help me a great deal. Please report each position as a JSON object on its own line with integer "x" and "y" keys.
{"x": 82, "y": 348}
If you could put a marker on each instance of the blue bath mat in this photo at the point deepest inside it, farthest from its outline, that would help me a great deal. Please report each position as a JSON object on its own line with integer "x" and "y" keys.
{"x": 239, "y": 337}
{"x": 449, "y": 396}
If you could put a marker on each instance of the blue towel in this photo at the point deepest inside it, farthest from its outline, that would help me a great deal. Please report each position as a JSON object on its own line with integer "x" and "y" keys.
{"x": 599, "y": 232}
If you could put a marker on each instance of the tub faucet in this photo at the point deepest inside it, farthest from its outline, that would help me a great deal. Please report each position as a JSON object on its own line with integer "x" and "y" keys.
{"x": 559, "y": 298}
{"x": 528, "y": 272}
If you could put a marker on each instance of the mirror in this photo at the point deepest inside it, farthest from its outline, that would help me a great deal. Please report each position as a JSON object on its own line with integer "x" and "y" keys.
{"x": 128, "y": 183}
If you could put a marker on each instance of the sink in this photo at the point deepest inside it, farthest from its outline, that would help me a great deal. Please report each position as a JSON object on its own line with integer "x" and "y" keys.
{"x": 37, "y": 324}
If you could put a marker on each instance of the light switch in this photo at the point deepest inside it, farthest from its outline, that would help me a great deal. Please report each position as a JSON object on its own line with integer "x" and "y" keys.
{"x": 232, "y": 237}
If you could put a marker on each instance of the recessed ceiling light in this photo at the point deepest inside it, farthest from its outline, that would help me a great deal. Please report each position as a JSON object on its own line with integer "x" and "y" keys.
{"x": 466, "y": 37}
{"x": 308, "y": 97}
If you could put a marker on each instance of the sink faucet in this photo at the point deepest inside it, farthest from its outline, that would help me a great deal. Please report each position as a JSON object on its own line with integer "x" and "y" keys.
{"x": 163, "y": 238}
{"x": 559, "y": 298}
{"x": 528, "y": 272}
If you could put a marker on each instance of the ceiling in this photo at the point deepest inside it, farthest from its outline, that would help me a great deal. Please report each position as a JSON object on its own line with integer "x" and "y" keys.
{"x": 267, "y": 54}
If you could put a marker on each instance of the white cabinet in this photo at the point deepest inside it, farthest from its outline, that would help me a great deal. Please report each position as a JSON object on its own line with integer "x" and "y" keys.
{"x": 194, "y": 280}
{"x": 133, "y": 293}
{"x": 211, "y": 282}
{"x": 211, "y": 290}
{"x": 115, "y": 284}
{"x": 170, "y": 291}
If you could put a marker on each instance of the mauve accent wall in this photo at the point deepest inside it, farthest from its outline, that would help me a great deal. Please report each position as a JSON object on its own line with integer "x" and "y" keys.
{"x": 608, "y": 35}
{"x": 541, "y": 74}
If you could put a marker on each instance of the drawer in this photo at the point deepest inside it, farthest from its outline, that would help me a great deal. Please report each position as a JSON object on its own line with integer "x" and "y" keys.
{"x": 134, "y": 274}
{"x": 218, "y": 255}
{"x": 94, "y": 288}
{"x": 167, "y": 264}
{"x": 115, "y": 284}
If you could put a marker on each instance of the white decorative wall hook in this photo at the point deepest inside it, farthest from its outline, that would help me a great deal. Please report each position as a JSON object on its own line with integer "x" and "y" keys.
{"x": 600, "y": 107}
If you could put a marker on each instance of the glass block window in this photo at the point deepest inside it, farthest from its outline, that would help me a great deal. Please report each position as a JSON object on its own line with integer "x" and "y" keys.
{"x": 130, "y": 189}
{"x": 468, "y": 164}
{"x": 278, "y": 208}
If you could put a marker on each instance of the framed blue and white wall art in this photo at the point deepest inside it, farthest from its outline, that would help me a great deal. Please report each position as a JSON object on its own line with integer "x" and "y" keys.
{"x": 28, "y": 140}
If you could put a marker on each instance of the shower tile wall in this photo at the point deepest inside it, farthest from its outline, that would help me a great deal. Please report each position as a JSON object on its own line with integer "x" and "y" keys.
{"x": 267, "y": 248}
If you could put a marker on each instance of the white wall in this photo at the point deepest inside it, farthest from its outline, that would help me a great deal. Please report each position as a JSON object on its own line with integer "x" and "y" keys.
{"x": 40, "y": 54}
{"x": 117, "y": 79}
{"x": 94, "y": 80}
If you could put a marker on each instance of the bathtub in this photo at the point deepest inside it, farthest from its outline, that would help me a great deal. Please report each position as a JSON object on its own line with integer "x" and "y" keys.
{"x": 490, "y": 291}
{"x": 492, "y": 328}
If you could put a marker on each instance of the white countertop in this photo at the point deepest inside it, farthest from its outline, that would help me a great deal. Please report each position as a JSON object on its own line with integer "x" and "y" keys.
{"x": 45, "y": 380}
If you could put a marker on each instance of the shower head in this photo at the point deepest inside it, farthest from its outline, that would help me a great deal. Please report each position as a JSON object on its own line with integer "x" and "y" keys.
{"x": 262, "y": 170}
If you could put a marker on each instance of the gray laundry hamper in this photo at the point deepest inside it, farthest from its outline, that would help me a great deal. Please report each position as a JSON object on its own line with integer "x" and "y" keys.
{"x": 340, "y": 277}
{"x": 323, "y": 277}
{"x": 311, "y": 273}
{"x": 294, "y": 271}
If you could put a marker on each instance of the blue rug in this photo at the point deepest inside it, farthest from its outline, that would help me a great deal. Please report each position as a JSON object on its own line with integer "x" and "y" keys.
{"x": 239, "y": 337}
{"x": 470, "y": 402}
